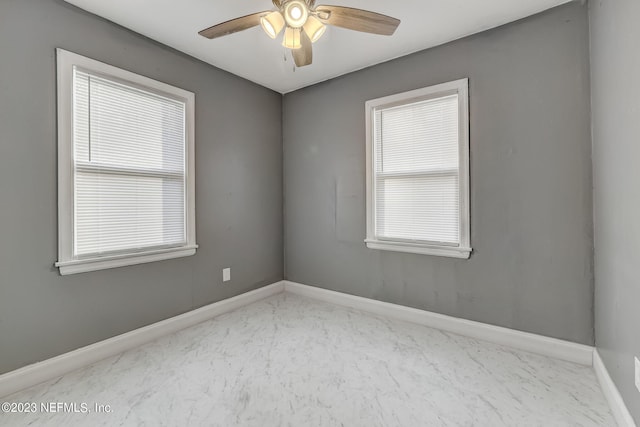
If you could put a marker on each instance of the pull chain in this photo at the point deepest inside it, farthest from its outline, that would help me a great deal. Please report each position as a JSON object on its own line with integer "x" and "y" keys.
{"x": 284, "y": 57}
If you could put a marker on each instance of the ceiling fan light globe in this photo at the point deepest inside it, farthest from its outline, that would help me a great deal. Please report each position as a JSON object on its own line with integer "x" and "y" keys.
{"x": 314, "y": 28}
{"x": 295, "y": 13}
{"x": 291, "y": 38}
{"x": 272, "y": 24}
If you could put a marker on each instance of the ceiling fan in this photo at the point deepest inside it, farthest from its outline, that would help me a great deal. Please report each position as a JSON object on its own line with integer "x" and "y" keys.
{"x": 304, "y": 23}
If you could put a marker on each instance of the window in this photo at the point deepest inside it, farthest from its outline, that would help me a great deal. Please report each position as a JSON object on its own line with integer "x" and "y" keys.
{"x": 125, "y": 167}
{"x": 418, "y": 171}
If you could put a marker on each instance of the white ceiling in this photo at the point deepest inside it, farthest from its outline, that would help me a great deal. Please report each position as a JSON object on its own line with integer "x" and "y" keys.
{"x": 253, "y": 55}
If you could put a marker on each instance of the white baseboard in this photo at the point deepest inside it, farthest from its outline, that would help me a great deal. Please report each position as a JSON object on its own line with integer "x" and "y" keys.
{"x": 49, "y": 369}
{"x": 37, "y": 373}
{"x": 619, "y": 409}
{"x": 552, "y": 347}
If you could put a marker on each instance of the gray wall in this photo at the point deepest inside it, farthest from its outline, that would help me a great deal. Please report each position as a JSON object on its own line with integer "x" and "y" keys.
{"x": 239, "y": 177}
{"x": 615, "y": 60}
{"x": 531, "y": 198}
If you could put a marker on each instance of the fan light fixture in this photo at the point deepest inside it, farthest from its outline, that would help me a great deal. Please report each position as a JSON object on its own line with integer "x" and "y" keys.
{"x": 291, "y": 38}
{"x": 296, "y": 13}
{"x": 304, "y": 24}
{"x": 314, "y": 28}
{"x": 272, "y": 24}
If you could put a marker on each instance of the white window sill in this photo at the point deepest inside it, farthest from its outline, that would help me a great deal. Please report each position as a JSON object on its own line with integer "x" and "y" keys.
{"x": 416, "y": 248}
{"x": 114, "y": 261}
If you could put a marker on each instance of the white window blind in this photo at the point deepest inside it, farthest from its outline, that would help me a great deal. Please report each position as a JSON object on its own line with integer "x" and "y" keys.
{"x": 417, "y": 189}
{"x": 129, "y": 147}
{"x": 417, "y": 171}
{"x": 125, "y": 167}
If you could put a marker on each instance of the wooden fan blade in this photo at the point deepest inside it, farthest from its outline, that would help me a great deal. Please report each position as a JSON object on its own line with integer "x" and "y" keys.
{"x": 304, "y": 55}
{"x": 234, "y": 25}
{"x": 358, "y": 20}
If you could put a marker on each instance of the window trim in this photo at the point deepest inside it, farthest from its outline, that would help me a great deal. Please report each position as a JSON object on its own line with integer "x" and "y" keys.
{"x": 67, "y": 263}
{"x": 463, "y": 250}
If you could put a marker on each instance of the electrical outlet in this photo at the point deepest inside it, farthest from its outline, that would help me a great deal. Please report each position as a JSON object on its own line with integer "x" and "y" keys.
{"x": 637, "y": 373}
{"x": 226, "y": 274}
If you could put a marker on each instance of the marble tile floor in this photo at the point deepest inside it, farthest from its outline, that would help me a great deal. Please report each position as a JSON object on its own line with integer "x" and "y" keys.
{"x": 293, "y": 361}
